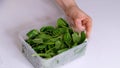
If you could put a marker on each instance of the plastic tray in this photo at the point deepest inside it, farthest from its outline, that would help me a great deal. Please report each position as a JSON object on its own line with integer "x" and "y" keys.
{"x": 56, "y": 61}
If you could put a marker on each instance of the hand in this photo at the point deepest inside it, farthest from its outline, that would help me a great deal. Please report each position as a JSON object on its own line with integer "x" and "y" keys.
{"x": 78, "y": 20}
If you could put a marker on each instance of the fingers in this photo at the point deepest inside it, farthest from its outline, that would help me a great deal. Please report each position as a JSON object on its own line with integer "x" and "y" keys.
{"x": 88, "y": 27}
{"x": 83, "y": 25}
{"x": 79, "y": 21}
{"x": 79, "y": 25}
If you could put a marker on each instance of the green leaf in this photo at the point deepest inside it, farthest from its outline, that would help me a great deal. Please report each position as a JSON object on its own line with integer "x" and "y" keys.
{"x": 38, "y": 40}
{"x": 53, "y": 39}
{"x": 63, "y": 45}
{"x": 59, "y": 31}
{"x": 70, "y": 30}
{"x": 83, "y": 37}
{"x": 47, "y": 28}
{"x": 75, "y": 37}
{"x": 62, "y": 50}
{"x": 44, "y": 55}
{"x": 49, "y": 46}
{"x": 51, "y": 53}
{"x": 50, "y": 50}
{"x": 40, "y": 47}
{"x": 44, "y": 36}
{"x": 58, "y": 44}
{"x": 30, "y": 41}
{"x": 49, "y": 43}
{"x": 75, "y": 44}
{"x": 32, "y": 33}
{"x": 62, "y": 23}
{"x": 67, "y": 39}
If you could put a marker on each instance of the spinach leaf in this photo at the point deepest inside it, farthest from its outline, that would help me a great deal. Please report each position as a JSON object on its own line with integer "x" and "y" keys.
{"x": 41, "y": 47}
{"x": 44, "y": 36}
{"x": 67, "y": 39}
{"x": 75, "y": 37}
{"x": 38, "y": 40}
{"x": 58, "y": 44}
{"x": 47, "y": 28}
{"x": 61, "y": 23}
{"x": 62, "y": 50}
{"x": 51, "y": 41}
{"x": 59, "y": 31}
{"x": 83, "y": 37}
{"x": 32, "y": 33}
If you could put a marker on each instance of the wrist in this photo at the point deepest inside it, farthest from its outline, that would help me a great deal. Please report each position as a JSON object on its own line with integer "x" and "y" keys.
{"x": 66, "y": 4}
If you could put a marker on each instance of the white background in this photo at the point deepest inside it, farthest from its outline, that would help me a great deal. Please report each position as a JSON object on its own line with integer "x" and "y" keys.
{"x": 103, "y": 50}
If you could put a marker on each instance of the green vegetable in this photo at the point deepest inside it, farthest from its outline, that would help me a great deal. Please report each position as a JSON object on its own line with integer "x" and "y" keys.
{"x": 40, "y": 47}
{"x": 59, "y": 31}
{"x": 38, "y": 40}
{"x": 67, "y": 39}
{"x": 51, "y": 41}
{"x": 58, "y": 44}
{"x": 75, "y": 37}
{"x": 44, "y": 36}
{"x": 83, "y": 37}
{"x": 62, "y": 50}
{"x": 32, "y": 33}
{"x": 48, "y": 30}
{"x": 61, "y": 23}
{"x": 43, "y": 55}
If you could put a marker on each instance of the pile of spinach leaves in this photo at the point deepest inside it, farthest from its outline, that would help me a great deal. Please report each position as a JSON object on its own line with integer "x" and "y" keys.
{"x": 50, "y": 41}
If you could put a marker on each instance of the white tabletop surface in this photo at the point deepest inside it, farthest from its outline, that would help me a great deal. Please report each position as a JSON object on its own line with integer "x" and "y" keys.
{"x": 103, "y": 50}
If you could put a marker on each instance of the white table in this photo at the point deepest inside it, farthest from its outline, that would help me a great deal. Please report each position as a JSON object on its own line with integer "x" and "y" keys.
{"x": 103, "y": 50}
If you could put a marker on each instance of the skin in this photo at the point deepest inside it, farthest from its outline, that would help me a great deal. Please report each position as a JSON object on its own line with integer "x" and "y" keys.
{"x": 78, "y": 20}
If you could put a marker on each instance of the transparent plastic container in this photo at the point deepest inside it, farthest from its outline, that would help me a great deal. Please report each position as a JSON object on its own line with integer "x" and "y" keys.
{"x": 56, "y": 61}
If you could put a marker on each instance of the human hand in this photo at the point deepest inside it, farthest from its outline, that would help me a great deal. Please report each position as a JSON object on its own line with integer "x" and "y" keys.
{"x": 78, "y": 20}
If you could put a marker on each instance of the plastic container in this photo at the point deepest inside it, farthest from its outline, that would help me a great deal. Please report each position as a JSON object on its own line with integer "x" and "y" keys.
{"x": 56, "y": 61}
